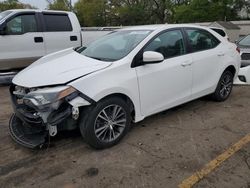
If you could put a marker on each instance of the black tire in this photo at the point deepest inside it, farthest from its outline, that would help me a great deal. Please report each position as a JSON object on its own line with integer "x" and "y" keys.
{"x": 224, "y": 87}
{"x": 100, "y": 117}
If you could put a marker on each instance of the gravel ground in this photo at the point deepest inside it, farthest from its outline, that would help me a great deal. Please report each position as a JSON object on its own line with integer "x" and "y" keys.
{"x": 160, "y": 151}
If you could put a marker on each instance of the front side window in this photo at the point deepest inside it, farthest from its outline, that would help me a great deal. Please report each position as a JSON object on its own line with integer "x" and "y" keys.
{"x": 57, "y": 22}
{"x": 115, "y": 46}
{"x": 201, "y": 40}
{"x": 22, "y": 24}
{"x": 169, "y": 44}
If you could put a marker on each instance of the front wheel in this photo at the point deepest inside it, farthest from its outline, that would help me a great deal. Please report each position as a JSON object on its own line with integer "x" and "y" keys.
{"x": 106, "y": 123}
{"x": 224, "y": 87}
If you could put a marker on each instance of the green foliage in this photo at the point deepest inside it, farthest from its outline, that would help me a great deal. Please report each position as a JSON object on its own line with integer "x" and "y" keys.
{"x": 139, "y": 12}
{"x": 133, "y": 13}
{"x": 207, "y": 10}
{"x": 13, "y": 4}
{"x": 91, "y": 12}
{"x": 124, "y": 12}
{"x": 58, "y": 5}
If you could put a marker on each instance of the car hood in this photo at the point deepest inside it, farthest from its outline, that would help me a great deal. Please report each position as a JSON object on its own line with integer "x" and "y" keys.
{"x": 58, "y": 68}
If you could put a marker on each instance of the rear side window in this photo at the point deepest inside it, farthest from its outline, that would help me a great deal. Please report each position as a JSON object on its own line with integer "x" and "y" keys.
{"x": 57, "y": 22}
{"x": 219, "y": 31}
{"x": 201, "y": 40}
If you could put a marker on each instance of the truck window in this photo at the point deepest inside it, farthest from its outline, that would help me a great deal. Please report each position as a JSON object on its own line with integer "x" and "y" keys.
{"x": 4, "y": 14}
{"x": 22, "y": 24}
{"x": 57, "y": 22}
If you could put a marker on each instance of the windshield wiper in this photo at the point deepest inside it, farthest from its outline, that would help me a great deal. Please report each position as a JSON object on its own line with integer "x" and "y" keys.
{"x": 101, "y": 58}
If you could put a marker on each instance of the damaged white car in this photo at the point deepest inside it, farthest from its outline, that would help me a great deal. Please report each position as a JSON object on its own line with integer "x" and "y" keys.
{"x": 121, "y": 78}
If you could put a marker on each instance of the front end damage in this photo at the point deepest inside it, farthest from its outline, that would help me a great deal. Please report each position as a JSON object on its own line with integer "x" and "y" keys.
{"x": 41, "y": 112}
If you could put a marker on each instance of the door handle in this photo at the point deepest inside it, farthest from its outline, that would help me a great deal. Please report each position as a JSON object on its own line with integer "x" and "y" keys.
{"x": 38, "y": 39}
{"x": 220, "y": 54}
{"x": 73, "y": 38}
{"x": 186, "y": 63}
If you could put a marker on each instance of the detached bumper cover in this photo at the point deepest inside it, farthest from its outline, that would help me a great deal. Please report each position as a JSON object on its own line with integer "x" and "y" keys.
{"x": 26, "y": 135}
{"x": 28, "y": 128}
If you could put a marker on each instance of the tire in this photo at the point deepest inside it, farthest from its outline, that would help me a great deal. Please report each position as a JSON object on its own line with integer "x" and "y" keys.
{"x": 106, "y": 123}
{"x": 224, "y": 87}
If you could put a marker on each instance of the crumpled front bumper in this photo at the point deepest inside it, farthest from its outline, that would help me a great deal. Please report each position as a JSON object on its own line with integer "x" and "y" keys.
{"x": 28, "y": 128}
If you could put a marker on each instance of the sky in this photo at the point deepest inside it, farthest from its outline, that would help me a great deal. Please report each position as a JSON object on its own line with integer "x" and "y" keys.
{"x": 41, "y": 4}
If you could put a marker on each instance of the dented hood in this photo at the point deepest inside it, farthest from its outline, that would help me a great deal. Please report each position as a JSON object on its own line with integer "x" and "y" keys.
{"x": 58, "y": 68}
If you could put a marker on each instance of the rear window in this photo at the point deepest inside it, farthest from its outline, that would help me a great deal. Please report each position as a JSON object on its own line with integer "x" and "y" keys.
{"x": 219, "y": 31}
{"x": 57, "y": 22}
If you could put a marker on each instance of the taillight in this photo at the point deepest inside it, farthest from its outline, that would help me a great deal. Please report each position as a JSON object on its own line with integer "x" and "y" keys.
{"x": 238, "y": 49}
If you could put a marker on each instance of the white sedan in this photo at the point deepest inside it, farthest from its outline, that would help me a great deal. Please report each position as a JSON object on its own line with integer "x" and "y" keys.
{"x": 125, "y": 76}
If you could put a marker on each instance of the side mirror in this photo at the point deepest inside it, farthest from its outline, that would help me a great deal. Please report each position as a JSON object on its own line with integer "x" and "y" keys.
{"x": 3, "y": 27}
{"x": 151, "y": 57}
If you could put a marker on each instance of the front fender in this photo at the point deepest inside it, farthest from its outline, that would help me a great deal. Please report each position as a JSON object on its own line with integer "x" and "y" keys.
{"x": 112, "y": 80}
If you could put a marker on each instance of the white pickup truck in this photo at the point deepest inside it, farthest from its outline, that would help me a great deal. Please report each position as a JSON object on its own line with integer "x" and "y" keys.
{"x": 26, "y": 35}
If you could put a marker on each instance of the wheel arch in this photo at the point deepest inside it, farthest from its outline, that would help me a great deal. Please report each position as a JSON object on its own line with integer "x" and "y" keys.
{"x": 231, "y": 68}
{"x": 127, "y": 99}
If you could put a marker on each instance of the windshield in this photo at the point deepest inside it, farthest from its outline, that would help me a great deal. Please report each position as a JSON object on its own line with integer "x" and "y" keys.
{"x": 115, "y": 46}
{"x": 4, "y": 14}
{"x": 245, "y": 41}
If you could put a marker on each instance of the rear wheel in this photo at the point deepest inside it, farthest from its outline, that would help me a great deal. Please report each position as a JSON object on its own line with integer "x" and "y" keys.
{"x": 106, "y": 123}
{"x": 224, "y": 87}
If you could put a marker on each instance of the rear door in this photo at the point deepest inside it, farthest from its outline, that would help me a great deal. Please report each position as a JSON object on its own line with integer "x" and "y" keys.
{"x": 22, "y": 43}
{"x": 208, "y": 56}
{"x": 59, "y": 33}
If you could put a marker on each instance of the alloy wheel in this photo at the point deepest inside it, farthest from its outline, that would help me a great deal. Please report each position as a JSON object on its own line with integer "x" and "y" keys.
{"x": 226, "y": 86}
{"x": 110, "y": 123}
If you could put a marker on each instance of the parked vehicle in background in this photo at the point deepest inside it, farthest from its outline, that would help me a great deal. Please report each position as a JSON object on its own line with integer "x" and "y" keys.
{"x": 124, "y": 76}
{"x": 90, "y": 34}
{"x": 244, "y": 45}
{"x": 243, "y": 76}
{"x": 220, "y": 31}
{"x": 27, "y": 35}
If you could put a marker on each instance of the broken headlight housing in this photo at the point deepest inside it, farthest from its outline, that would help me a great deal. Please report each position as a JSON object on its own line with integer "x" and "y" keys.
{"x": 48, "y": 97}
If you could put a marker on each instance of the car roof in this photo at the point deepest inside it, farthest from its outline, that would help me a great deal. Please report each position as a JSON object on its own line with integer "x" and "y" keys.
{"x": 38, "y": 10}
{"x": 162, "y": 27}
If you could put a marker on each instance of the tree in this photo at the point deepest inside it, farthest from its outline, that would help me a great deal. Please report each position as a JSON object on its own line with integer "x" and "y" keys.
{"x": 13, "y": 4}
{"x": 139, "y": 12}
{"x": 91, "y": 12}
{"x": 163, "y": 10}
{"x": 60, "y": 5}
{"x": 135, "y": 12}
{"x": 207, "y": 10}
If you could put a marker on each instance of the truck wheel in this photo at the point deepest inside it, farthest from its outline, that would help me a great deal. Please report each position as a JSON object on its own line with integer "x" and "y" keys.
{"x": 106, "y": 123}
{"x": 224, "y": 87}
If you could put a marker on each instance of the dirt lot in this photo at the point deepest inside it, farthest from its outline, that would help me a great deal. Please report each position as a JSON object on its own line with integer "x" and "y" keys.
{"x": 160, "y": 151}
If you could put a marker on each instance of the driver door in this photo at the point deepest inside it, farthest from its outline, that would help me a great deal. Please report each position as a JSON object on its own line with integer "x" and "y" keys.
{"x": 22, "y": 43}
{"x": 166, "y": 84}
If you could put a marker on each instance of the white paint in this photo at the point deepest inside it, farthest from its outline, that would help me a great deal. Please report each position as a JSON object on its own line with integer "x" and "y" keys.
{"x": 152, "y": 88}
